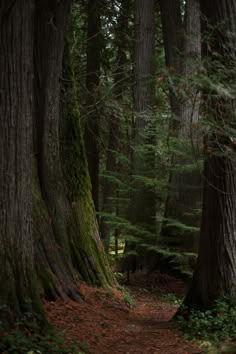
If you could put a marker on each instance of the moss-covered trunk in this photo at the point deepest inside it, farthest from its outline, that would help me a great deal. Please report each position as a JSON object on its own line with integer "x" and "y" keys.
{"x": 87, "y": 251}
{"x": 48, "y": 236}
{"x": 66, "y": 231}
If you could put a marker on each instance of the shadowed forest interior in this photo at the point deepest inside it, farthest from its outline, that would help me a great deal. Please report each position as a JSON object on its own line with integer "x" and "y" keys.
{"x": 117, "y": 176}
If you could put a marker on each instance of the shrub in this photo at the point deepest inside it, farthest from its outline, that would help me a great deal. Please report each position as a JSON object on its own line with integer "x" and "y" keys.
{"x": 29, "y": 337}
{"x": 215, "y": 325}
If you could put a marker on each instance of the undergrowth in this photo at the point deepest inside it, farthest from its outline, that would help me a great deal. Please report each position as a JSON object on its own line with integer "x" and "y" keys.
{"x": 28, "y": 337}
{"x": 129, "y": 299}
{"x": 172, "y": 299}
{"x": 214, "y": 326}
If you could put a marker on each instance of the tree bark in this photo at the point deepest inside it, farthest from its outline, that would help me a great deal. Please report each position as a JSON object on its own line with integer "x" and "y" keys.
{"x": 110, "y": 193}
{"x": 66, "y": 213}
{"x": 87, "y": 251}
{"x": 172, "y": 33}
{"x": 215, "y": 274}
{"x": 48, "y": 239}
{"x": 92, "y": 85}
{"x": 182, "y": 43}
{"x": 52, "y": 209}
{"x": 17, "y": 272}
{"x": 143, "y": 203}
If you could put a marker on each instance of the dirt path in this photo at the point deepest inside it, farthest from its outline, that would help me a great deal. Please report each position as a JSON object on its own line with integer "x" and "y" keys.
{"x": 107, "y": 325}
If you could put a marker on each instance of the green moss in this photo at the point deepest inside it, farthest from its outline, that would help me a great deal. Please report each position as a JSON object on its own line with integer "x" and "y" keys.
{"x": 86, "y": 247}
{"x": 53, "y": 264}
{"x": 47, "y": 279}
{"x": 90, "y": 243}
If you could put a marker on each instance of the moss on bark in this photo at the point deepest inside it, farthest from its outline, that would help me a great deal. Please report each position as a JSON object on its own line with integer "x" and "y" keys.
{"x": 86, "y": 247}
{"x": 54, "y": 270}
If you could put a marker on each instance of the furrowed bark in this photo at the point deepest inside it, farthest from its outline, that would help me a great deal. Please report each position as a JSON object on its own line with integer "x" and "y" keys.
{"x": 182, "y": 41}
{"x": 19, "y": 290}
{"x": 215, "y": 275}
{"x": 143, "y": 201}
{"x": 91, "y": 134}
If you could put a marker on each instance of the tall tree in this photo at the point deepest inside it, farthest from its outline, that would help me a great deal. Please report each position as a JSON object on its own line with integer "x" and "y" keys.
{"x": 92, "y": 85}
{"x": 110, "y": 190}
{"x": 68, "y": 211}
{"x": 52, "y": 210}
{"x": 17, "y": 271}
{"x": 215, "y": 274}
{"x": 182, "y": 42}
{"x": 142, "y": 210}
{"x": 48, "y": 233}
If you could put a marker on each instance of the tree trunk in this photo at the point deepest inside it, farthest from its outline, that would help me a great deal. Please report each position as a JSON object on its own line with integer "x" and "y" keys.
{"x": 110, "y": 193}
{"x": 87, "y": 251}
{"x": 172, "y": 34}
{"x": 143, "y": 203}
{"x": 52, "y": 209}
{"x": 17, "y": 274}
{"x": 108, "y": 188}
{"x": 92, "y": 85}
{"x": 62, "y": 241}
{"x": 191, "y": 61}
{"x": 215, "y": 274}
{"x": 183, "y": 50}
{"x": 66, "y": 214}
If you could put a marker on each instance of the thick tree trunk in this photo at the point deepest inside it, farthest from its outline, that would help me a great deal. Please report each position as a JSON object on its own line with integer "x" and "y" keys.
{"x": 182, "y": 42}
{"x": 17, "y": 273}
{"x": 110, "y": 192}
{"x": 191, "y": 61}
{"x": 143, "y": 203}
{"x": 52, "y": 209}
{"x": 62, "y": 240}
{"x": 215, "y": 275}
{"x": 87, "y": 251}
{"x": 183, "y": 50}
{"x": 108, "y": 188}
{"x": 92, "y": 84}
{"x": 50, "y": 32}
{"x": 66, "y": 215}
{"x": 144, "y": 50}
{"x": 172, "y": 33}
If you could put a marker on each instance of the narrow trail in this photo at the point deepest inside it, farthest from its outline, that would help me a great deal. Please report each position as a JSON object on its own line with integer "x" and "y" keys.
{"x": 107, "y": 325}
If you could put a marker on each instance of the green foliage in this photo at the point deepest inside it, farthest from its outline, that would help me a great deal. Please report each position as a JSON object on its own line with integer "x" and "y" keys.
{"x": 176, "y": 263}
{"x": 84, "y": 347}
{"x": 28, "y": 336}
{"x": 179, "y": 225}
{"x": 172, "y": 299}
{"x": 214, "y": 325}
{"x": 115, "y": 109}
{"x": 127, "y": 296}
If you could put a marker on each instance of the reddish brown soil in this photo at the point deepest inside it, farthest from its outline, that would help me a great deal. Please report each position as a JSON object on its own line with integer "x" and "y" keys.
{"x": 108, "y": 325}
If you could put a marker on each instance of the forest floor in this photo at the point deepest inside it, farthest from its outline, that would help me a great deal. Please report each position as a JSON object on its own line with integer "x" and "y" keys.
{"x": 104, "y": 323}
